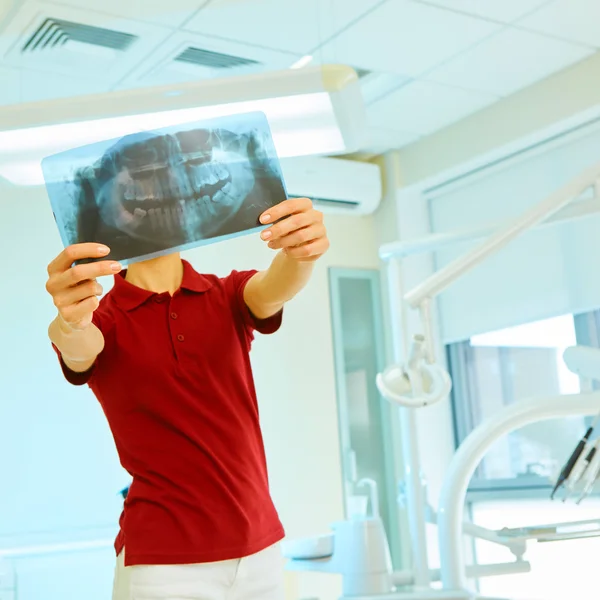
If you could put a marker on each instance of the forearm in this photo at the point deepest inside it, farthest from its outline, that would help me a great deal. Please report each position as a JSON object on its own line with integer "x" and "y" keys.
{"x": 78, "y": 348}
{"x": 281, "y": 282}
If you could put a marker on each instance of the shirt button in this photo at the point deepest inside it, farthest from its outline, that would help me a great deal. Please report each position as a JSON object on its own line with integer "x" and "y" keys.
{"x": 180, "y": 338}
{"x": 158, "y": 299}
{"x": 173, "y": 315}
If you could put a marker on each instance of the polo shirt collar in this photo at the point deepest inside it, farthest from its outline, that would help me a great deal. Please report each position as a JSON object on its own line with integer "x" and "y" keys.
{"x": 129, "y": 296}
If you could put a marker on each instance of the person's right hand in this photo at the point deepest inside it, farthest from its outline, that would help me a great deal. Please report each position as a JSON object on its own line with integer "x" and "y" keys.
{"x": 74, "y": 289}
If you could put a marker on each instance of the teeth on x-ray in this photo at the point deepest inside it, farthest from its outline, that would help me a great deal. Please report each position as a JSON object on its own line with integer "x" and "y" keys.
{"x": 167, "y": 192}
{"x": 129, "y": 193}
{"x": 208, "y": 178}
{"x": 166, "y": 218}
{"x": 154, "y": 221}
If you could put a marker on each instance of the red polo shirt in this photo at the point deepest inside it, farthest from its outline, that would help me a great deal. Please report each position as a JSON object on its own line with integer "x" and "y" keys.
{"x": 175, "y": 383}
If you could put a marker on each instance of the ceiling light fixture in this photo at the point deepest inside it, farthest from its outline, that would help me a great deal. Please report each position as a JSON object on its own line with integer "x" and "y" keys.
{"x": 311, "y": 111}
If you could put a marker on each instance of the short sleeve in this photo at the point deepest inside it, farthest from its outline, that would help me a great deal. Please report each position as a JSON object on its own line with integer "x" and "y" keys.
{"x": 100, "y": 320}
{"x": 238, "y": 281}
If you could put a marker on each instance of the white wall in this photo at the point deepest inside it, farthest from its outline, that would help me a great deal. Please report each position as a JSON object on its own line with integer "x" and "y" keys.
{"x": 59, "y": 471}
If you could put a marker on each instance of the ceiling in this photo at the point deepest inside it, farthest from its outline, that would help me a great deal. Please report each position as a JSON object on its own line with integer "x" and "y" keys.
{"x": 424, "y": 64}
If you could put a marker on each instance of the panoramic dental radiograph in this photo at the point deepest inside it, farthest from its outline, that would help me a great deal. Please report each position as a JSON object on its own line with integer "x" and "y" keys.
{"x": 156, "y": 191}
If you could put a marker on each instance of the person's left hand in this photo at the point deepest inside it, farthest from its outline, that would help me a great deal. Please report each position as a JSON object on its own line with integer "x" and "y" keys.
{"x": 298, "y": 229}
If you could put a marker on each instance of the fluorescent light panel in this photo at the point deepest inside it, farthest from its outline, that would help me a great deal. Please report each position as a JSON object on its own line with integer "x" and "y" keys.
{"x": 323, "y": 114}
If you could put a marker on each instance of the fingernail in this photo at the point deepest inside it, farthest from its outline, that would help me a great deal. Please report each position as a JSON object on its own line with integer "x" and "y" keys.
{"x": 116, "y": 267}
{"x": 271, "y": 244}
{"x": 265, "y": 218}
{"x": 103, "y": 250}
{"x": 266, "y": 235}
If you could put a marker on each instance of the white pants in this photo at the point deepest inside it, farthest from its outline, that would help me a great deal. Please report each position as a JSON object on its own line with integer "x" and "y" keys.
{"x": 256, "y": 577}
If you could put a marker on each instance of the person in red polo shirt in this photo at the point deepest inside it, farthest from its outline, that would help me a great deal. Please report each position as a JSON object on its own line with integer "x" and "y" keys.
{"x": 166, "y": 352}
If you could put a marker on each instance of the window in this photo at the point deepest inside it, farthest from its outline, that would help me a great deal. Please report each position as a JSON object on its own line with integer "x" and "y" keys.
{"x": 499, "y": 368}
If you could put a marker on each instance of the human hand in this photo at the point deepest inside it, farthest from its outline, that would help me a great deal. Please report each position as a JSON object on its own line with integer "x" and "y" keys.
{"x": 298, "y": 229}
{"x": 74, "y": 289}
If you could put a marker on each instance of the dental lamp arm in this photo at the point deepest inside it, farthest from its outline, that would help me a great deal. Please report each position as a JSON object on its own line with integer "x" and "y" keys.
{"x": 298, "y": 231}
{"x": 441, "y": 280}
{"x": 404, "y": 385}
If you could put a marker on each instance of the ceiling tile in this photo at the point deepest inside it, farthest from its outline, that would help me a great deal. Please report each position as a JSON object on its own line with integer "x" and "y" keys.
{"x": 296, "y": 26}
{"x": 170, "y": 14}
{"x": 407, "y": 38}
{"x": 498, "y": 10}
{"x": 376, "y": 85}
{"x": 576, "y": 20}
{"x": 509, "y": 61}
{"x": 425, "y": 106}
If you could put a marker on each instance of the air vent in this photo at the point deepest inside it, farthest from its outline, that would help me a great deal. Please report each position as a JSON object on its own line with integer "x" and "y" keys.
{"x": 213, "y": 60}
{"x": 57, "y": 32}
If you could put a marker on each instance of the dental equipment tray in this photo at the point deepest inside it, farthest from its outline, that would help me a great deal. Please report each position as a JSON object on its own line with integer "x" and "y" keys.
{"x": 557, "y": 532}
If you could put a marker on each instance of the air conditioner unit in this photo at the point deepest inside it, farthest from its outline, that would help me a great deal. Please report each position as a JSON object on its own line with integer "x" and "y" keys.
{"x": 335, "y": 185}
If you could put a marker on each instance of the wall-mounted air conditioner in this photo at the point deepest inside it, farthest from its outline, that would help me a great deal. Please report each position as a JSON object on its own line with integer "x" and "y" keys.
{"x": 335, "y": 185}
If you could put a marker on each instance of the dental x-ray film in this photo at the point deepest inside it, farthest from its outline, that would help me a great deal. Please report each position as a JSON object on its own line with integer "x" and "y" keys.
{"x": 172, "y": 189}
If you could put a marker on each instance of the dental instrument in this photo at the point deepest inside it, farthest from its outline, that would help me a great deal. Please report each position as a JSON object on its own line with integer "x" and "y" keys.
{"x": 585, "y": 362}
{"x": 591, "y": 474}
{"x": 581, "y": 468}
{"x": 577, "y": 459}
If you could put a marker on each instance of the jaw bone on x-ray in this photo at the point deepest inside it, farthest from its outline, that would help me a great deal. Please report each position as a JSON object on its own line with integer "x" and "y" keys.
{"x": 172, "y": 189}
